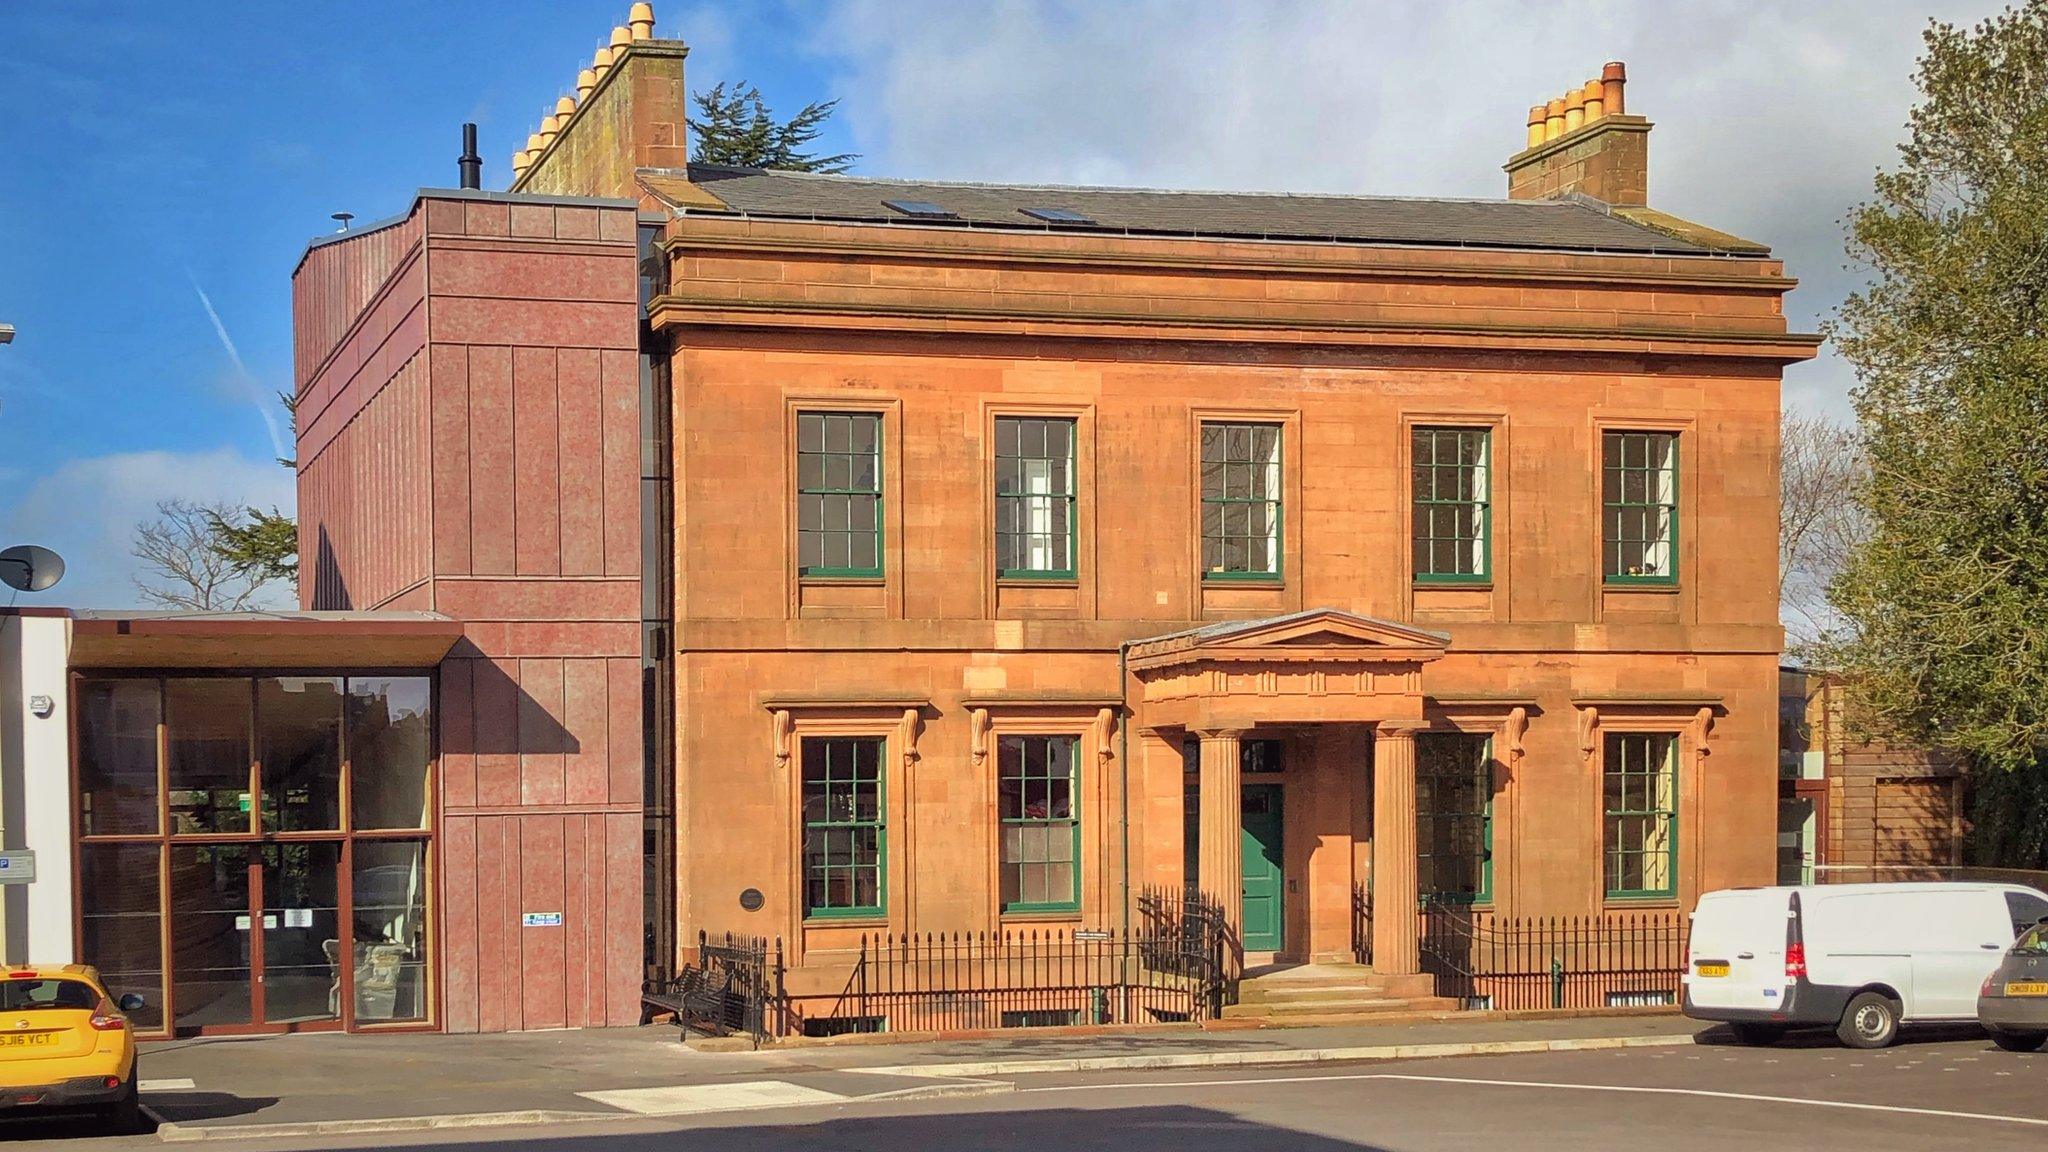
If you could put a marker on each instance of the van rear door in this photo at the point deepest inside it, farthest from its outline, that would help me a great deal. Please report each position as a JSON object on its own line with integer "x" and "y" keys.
{"x": 1736, "y": 955}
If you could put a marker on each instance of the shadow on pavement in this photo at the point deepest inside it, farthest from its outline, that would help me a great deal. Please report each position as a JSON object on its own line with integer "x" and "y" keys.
{"x": 1178, "y": 1127}
{"x": 1820, "y": 1036}
{"x": 63, "y": 1126}
{"x": 187, "y": 1107}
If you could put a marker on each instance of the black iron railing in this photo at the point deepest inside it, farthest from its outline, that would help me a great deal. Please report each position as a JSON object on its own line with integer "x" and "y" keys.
{"x": 1610, "y": 960}
{"x": 1168, "y": 969}
{"x": 1361, "y": 923}
{"x": 733, "y": 987}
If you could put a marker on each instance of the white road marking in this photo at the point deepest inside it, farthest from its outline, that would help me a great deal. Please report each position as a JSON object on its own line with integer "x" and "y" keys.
{"x": 689, "y": 1099}
{"x": 179, "y": 1084}
{"x": 1750, "y": 1097}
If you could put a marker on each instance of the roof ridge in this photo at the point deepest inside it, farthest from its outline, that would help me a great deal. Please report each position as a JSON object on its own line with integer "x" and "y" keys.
{"x": 1132, "y": 189}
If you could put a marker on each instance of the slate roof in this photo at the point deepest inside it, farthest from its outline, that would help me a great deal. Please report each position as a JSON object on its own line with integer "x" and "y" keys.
{"x": 1571, "y": 225}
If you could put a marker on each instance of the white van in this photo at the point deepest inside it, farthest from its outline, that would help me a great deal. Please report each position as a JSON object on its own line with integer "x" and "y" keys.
{"x": 1860, "y": 958}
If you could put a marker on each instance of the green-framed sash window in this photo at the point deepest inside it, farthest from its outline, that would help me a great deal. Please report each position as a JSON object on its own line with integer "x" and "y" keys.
{"x": 1241, "y": 501}
{"x": 1038, "y": 778}
{"x": 1035, "y": 496}
{"x": 1451, "y": 477}
{"x": 1454, "y": 816}
{"x": 839, "y": 493}
{"x": 1640, "y": 771}
{"x": 1639, "y": 505}
{"x": 845, "y": 833}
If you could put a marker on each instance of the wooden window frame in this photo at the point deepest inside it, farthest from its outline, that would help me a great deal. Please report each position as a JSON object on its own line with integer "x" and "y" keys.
{"x": 1675, "y": 506}
{"x": 1484, "y": 504}
{"x": 1674, "y": 766}
{"x": 1073, "y": 821}
{"x": 1484, "y": 895}
{"x": 1277, "y": 500}
{"x": 880, "y": 824}
{"x": 879, "y": 492}
{"x": 1072, "y": 495}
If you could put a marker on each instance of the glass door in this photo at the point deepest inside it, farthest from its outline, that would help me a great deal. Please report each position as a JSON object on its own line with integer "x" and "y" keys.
{"x": 213, "y": 941}
{"x": 303, "y": 945}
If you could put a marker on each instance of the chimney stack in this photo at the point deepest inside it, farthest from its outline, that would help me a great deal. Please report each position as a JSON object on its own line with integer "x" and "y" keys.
{"x": 1584, "y": 142}
{"x": 594, "y": 142}
{"x": 469, "y": 164}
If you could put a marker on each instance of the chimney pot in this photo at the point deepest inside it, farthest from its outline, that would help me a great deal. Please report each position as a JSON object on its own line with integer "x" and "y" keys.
{"x": 1607, "y": 158}
{"x": 565, "y": 108}
{"x": 602, "y": 62}
{"x": 469, "y": 165}
{"x": 641, "y": 19}
{"x": 534, "y": 145}
{"x": 1613, "y": 77}
{"x": 586, "y": 80}
{"x": 620, "y": 39}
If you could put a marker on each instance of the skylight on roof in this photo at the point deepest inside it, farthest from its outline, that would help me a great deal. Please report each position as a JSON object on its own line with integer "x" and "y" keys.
{"x": 1057, "y": 215}
{"x": 922, "y": 209}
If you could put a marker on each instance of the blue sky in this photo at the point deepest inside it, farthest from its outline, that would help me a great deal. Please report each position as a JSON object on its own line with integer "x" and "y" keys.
{"x": 154, "y": 152}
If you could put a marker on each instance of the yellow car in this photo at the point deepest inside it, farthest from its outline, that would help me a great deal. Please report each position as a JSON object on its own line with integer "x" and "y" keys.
{"x": 65, "y": 1045}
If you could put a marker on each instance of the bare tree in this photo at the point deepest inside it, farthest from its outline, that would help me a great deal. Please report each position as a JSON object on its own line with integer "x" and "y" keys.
{"x": 1821, "y": 469}
{"x": 182, "y": 567}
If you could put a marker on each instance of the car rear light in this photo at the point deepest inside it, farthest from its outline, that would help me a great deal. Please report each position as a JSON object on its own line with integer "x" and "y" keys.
{"x": 1984, "y": 989}
{"x": 113, "y": 1081}
{"x": 105, "y": 1019}
{"x": 1795, "y": 961}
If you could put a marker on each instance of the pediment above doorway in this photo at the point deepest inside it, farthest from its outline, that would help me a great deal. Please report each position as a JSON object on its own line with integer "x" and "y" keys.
{"x": 1319, "y": 633}
{"x": 1324, "y": 665}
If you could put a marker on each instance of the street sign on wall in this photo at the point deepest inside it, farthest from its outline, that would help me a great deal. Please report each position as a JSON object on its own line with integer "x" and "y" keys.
{"x": 18, "y": 866}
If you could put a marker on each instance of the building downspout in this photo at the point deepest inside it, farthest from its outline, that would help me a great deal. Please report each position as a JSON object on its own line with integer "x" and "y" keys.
{"x": 1123, "y": 757}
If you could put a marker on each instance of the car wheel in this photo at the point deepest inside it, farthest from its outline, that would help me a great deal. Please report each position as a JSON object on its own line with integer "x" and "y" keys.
{"x": 2019, "y": 1041}
{"x": 126, "y": 1115}
{"x": 1759, "y": 1034}
{"x": 1870, "y": 1021}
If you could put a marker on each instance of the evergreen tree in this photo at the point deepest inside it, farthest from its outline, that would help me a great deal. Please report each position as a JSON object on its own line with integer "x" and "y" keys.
{"x": 1947, "y": 598}
{"x": 735, "y": 126}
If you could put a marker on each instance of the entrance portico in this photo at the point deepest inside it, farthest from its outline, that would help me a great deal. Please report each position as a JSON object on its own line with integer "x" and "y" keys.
{"x": 1319, "y": 671}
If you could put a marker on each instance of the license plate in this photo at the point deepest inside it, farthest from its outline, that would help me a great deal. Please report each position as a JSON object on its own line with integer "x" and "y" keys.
{"x": 28, "y": 1039}
{"x": 1713, "y": 969}
{"x": 2027, "y": 988}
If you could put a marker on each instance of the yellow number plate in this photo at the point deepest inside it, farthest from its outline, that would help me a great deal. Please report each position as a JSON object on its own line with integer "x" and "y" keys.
{"x": 2026, "y": 988}
{"x": 1712, "y": 969}
{"x": 27, "y": 1039}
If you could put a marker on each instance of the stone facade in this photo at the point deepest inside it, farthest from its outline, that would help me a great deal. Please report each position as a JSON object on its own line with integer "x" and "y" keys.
{"x": 1345, "y": 349}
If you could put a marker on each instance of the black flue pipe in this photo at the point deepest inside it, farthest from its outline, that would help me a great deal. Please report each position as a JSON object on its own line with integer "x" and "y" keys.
{"x": 471, "y": 164}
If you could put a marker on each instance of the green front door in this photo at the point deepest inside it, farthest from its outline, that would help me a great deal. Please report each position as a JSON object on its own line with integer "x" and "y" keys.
{"x": 1264, "y": 887}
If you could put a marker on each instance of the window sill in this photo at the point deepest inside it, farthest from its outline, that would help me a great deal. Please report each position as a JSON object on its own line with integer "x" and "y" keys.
{"x": 1028, "y": 580}
{"x": 1647, "y": 900}
{"x": 1040, "y": 915}
{"x": 1641, "y": 587}
{"x": 862, "y": 919}
{"x": 829, "y": 580}
{"x": 1244, "y": 579}
{"x": 1453, "y": 585}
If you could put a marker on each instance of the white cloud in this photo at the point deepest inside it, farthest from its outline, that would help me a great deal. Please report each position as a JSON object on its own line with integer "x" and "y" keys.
{"x": 87, "y": 509}
{"x": 1770, "y": 118}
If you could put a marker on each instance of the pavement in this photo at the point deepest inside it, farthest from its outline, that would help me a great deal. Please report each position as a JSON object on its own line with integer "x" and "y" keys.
{"x": 1567, "y": 1084}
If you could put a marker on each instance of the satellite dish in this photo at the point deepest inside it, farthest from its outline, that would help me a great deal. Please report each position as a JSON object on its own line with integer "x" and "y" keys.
{"x": 30, "y": 567}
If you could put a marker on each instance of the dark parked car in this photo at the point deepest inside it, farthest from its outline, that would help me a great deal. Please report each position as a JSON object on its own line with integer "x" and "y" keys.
{"x": 2013, "y": 1004}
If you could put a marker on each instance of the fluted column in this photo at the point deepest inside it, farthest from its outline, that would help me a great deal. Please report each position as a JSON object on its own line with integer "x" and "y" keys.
{"x": 1394, "y": 882}
{"x": 1221, "y": 851}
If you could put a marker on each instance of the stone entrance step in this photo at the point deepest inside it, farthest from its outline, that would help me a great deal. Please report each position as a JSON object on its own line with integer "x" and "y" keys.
{"x": 1316, "y": 991}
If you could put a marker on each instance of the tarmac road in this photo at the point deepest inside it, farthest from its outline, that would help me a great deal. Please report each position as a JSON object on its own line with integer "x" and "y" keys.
{"x": 1933, "y": 1094}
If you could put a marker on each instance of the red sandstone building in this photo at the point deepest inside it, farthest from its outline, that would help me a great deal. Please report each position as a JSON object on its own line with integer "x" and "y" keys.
{"x": 823, "y": 557}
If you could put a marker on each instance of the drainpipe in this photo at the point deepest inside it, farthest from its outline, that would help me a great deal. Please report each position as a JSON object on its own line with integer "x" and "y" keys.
{"x": 1123, "y": 757}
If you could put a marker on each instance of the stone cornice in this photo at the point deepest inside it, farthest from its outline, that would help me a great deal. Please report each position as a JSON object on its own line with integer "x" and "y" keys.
{"x": 1714, "y": 273}
{"x": 678, "y": 311}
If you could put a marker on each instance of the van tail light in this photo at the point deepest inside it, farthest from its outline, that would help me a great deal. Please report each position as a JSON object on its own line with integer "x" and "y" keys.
{"x": 105, "y": 1019}
{"x": 1795, "y": 961}
{"x": 1795, "y": 940}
